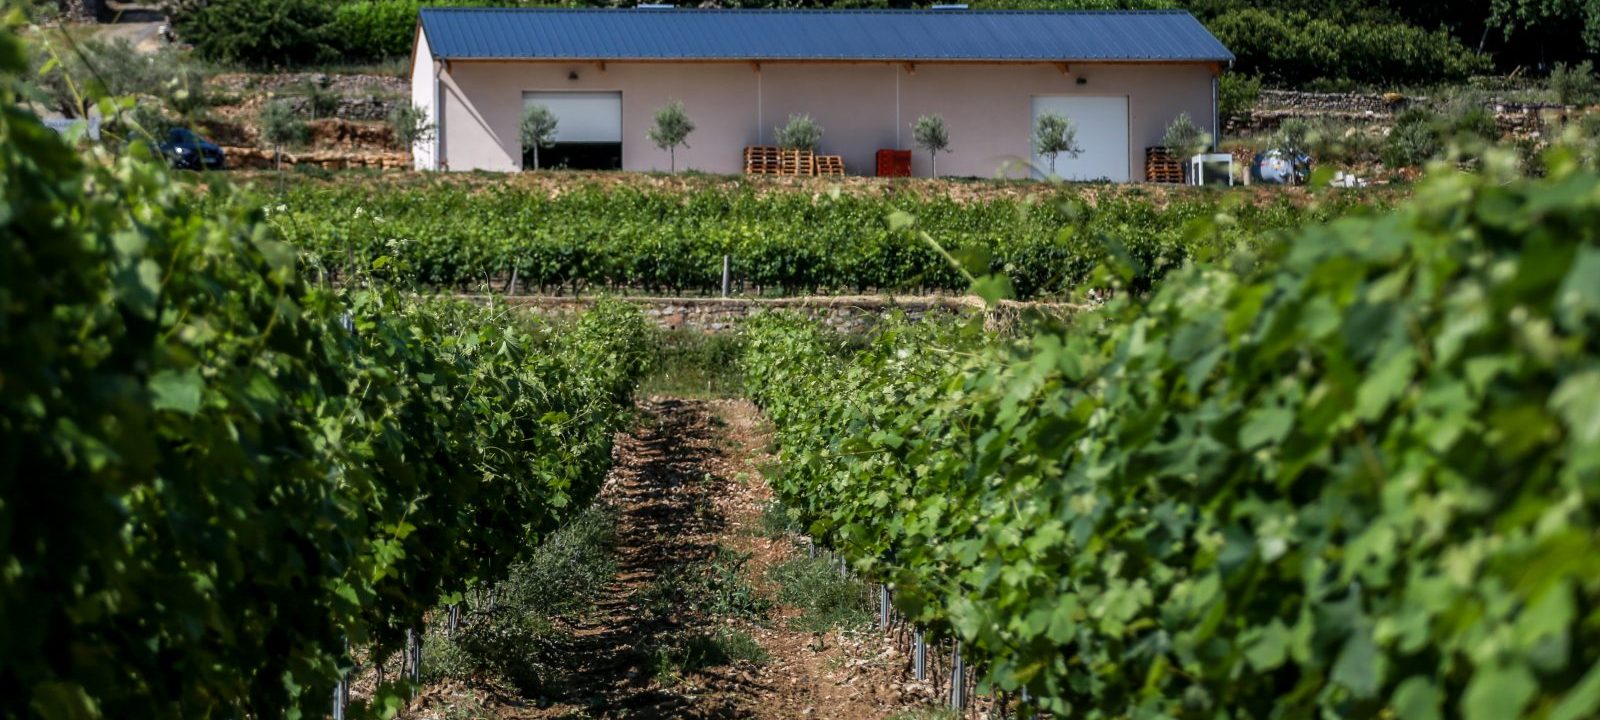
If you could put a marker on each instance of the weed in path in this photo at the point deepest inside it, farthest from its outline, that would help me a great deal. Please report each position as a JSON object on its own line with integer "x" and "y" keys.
{"x": 926, "y": 714}
{"x": 827, "y": 600}
{"x": 777, "y": 522}
{"x": 713, "y": 588}
{"x": 693, "y": 652}
{"x": 469, "y": 707}
{"x": 508, "y": 632}
{"x": 695, "y": 365}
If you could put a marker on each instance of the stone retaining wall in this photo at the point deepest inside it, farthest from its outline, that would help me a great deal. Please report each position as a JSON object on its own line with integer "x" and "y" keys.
{"x": 360, "y": 97}
{"x": 847, "y": 314}
{"x": 1329, "y": 102}
{"x": 265, "y": 159}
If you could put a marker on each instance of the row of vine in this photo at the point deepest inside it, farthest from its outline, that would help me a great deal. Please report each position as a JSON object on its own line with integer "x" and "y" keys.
{"x": 790, "y": 242}
{"x": 216, "y": 478}
{"x": 1357, "y": 478}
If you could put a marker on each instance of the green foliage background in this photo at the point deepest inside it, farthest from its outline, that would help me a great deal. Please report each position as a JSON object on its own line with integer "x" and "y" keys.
{"x": 1325, "y": 42}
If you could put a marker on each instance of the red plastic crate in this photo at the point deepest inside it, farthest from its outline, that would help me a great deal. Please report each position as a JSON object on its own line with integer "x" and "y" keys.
{"x": 894, "y": 163}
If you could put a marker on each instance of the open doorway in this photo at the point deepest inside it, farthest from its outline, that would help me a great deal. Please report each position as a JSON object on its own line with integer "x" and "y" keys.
{"x": 588, "y": 130}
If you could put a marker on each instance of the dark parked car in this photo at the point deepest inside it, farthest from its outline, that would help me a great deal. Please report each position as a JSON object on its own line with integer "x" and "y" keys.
{"x": 186, "y": 150}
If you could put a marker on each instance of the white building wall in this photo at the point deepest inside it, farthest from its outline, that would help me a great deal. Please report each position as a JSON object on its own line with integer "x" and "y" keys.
{"x": 862, "y": 107}
{"x": 424, "y": 88}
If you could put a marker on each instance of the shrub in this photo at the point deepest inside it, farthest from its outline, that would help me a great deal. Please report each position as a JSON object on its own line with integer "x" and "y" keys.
{"x": 930, "y": 134}
{"x": 375, "y": 29}
{"x": 1477, "y": 124}
{"x": 802, "y": 133}
{"x": 1575, "y": 84}
{"x": 321, "y": 100}
{"x": 671, "y": 129}
{"x": 625, "y": 237}
{"x": 251, "y": 468}
{"x": 1415, "y": 139}
{"x": 1295, "y": 137}
{"x": 827, "y": 599}
{"x": 511, "y": 637}
{"x": 1237, "y": 95}
{"x": 380, "y": 29}
{"x": 1295, "y": 48}
{"x": 256, "y": 33}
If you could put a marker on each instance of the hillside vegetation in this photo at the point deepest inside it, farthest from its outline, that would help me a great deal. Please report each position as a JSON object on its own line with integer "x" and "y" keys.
{"x": 1292, "y": 42}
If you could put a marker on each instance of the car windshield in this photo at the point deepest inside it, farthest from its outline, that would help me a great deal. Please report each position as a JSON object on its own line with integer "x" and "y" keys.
{"x": 182, "y": 136}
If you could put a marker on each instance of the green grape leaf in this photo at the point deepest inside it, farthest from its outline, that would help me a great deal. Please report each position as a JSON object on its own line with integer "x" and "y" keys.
{"x": 177, "y": 390}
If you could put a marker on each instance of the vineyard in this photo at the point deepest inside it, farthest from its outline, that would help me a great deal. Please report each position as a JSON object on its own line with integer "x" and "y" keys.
{"x": 216, "y": 477}
{"x": 1359, "y": 480}
{"x": 1308, "y": 455}
{"x": 597, "y": 238}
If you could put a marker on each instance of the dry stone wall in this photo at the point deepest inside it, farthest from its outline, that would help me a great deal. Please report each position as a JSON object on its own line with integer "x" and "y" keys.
{"x": 1310, "y": 102}
{"x": 852, "y": 314}
{"x": 360, "y": 97}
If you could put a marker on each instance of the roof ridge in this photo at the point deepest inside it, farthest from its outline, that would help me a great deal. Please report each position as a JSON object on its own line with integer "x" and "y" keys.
{"x": 776, "y": 34}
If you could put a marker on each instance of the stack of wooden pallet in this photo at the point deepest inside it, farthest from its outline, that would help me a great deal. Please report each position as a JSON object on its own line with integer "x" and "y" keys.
{"x": 762, "y": 160}
{"x": 798, "y": 162}
{"x": 1162, "y": 166}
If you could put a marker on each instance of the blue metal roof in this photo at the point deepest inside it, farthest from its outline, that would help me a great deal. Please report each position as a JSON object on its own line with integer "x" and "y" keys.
{"x": 846, "y": 35}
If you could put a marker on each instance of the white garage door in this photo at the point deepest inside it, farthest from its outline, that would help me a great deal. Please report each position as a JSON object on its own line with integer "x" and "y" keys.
{"x": 1102, "y": 124}
{"x": 582, "y": 117}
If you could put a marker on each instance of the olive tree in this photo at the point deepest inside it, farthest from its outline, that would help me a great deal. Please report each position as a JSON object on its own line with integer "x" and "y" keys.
{"x": 1055, "y": 134}
{"x": 672, "y": 129}
{"x": 280, "y": 126}
{"x": 1185, "y": 138}
{"x": 410, "y": 126}
{"x": 930, "y": 134}
{"x": 538, "y": 130}
{"x": 1575, "y": 84}
{"x": 321, "y": 99}
{"x": 69, "y": 76}
{"x": 802, "y": 133}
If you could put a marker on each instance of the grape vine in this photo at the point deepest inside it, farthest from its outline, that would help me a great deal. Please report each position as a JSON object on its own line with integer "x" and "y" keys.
{"x": 590, "y": 237}
{"x": 214, "y": 476}
{"x": 1360, "y": 479}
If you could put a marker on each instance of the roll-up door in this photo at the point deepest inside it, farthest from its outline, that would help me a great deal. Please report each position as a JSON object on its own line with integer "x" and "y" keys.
{"x": 1102, "y": 124}
{"x": 588, "y": 129}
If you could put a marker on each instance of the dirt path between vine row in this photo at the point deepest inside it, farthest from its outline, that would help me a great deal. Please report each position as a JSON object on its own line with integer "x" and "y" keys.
{"x": 688, "y": 481}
